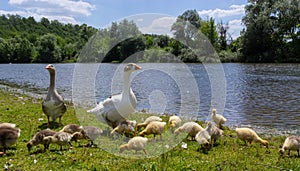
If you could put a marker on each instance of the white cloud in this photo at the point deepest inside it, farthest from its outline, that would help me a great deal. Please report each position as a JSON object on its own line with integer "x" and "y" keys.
{"x": 21, "y": 13}
{"x": 228, "y": 16}
{"x": 235, "y": 27}
{"x": 37, "y": 17}
{"x": 160, "y": 25}
{"x": 65, "y": 11}
{"x": 219, "y": 13}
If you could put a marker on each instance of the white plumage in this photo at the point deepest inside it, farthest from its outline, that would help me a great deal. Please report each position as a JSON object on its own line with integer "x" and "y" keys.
{"x": 215, "y": 132}
{"x": 174, "y": 121}
{"x": 192, "y": 128}
{"x": 136, "y": 143}
{"x": 203, "y": 137}
{"x": 114, "y": 109}
{"x": 217, "y": 118}
{"x": 5, "y": 124}
{"x": 290, "y": 143}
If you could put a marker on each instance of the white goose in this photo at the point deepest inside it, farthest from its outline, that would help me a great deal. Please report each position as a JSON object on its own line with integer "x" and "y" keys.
{"x": 114, "y": 109}
{"x": 53, "y": 106}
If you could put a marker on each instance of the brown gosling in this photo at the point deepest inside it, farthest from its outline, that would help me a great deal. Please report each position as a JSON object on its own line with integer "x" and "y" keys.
{"x": 38, "y": 139}
{"x": 8, "y": 136}
{"x": 71, "y": 128}
{"x": 60, "y": 138}
{"x": 126, "y": 127}
{"x": 91, "y": 133}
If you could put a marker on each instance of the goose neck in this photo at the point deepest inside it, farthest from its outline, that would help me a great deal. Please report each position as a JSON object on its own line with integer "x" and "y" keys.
{"x": 126, "y": 83}
{"x": 52, "y": 80}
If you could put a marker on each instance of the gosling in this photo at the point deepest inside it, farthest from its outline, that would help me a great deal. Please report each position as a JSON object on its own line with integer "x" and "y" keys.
{"x": 136, "y": 143}
{"x": 290, "y": 143}
{"x": 248, "y": 135}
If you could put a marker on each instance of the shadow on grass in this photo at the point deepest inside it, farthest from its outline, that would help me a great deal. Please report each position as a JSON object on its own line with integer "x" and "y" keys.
{"x": 38, "y": 151}
{"x": 52, "y": 125}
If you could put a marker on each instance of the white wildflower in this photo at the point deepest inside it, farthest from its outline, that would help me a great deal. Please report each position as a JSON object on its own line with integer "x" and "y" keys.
{"x": 184, "y": 145}
{"x": 5, "y": 167}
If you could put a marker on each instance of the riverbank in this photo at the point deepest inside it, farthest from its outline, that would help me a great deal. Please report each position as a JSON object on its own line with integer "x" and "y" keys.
{"x": 228, "y": 154}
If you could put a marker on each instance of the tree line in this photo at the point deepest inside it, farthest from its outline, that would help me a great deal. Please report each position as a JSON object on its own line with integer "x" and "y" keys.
{"x": 271, "y": 34}
{"x": 124, "y": 39}
{"x": 24, "y": 40}
{"x": 272, "y": 31}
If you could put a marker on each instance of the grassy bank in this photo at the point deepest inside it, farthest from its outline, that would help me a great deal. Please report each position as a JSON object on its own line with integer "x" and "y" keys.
{"x": 228, "y": 154}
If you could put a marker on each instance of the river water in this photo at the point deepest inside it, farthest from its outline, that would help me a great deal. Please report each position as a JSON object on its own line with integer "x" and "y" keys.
{"x": 260, "y": 95}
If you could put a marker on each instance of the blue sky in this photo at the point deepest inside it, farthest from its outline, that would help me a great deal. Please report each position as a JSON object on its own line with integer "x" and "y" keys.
{"x": 100, "y": 13}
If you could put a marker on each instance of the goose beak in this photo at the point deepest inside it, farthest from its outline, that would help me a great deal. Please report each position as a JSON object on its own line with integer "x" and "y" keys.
{"x": 137, "y": 67}
{"x": 48, "y": 66}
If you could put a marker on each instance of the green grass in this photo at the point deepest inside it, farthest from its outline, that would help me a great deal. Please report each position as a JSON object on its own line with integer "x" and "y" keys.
{"x": 228, "y": 154}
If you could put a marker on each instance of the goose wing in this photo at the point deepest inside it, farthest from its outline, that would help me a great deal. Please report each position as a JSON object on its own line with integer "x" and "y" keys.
{"x": 106, "y": 105}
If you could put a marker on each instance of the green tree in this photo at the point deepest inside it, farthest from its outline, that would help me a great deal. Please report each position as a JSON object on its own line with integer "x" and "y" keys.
{"x": 4, "y": 51}
{"x": 223, "y": 31}
{"x": 186, "y": 30}
{"x": 13, "y": 26}
{"x": 271, "y": 31}
{"x": 21, "y": 50}
{"x": 48, "y": 49}
{"x": 186, "y": 26}
{"x": 124, "y": 40}
{"x": 209, "y": 29}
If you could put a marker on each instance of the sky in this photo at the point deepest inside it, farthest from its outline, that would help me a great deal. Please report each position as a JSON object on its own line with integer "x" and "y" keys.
{"x": 101, "y": 13}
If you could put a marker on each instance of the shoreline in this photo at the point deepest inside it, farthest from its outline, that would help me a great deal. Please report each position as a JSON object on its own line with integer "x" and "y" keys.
{"x": 269, "y": 132}
{"x": 229, "y": 153}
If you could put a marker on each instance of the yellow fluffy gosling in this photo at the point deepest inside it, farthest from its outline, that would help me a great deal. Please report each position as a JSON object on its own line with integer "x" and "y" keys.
{"x": 248, "y": 135}
{"x": 155, "y": 128}
{"x": 136, "y": 143}
{"x": 147, "y": 121}
{"x": 174, "y": 121}
{"x": 192, "y": 128}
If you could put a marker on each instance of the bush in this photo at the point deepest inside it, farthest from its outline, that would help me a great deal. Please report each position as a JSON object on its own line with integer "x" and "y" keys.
{"x": 228, "y": 56}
